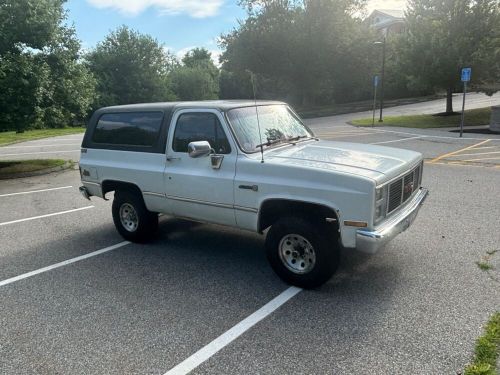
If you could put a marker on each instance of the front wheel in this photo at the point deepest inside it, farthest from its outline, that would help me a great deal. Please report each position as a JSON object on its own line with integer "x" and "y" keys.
{"x": 302, "y": 253}
{"x": 131, "y": 217}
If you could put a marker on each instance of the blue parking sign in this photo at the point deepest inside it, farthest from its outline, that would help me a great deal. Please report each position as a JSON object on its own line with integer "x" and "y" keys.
{"x": 466, "y": 72}
{"x": 375, "y": 81}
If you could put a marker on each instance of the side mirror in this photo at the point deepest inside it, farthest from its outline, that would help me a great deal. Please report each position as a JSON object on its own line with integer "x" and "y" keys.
{"x": 199, "y": 149}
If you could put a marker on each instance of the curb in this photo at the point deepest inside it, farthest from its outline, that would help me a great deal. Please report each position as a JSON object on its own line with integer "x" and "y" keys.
{"x": 39, "y": 172}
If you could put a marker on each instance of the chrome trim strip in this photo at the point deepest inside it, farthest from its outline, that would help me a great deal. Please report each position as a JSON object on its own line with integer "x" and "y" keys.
{"x": 91, "y": 183}
{"x": 246, "y": 209}
{"x": 213, "y": 204}
{"x": 153, "y": 194}
{"x": 189, "y": 200}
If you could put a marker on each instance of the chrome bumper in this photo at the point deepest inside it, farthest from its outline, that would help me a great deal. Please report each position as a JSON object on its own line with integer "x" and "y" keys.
{"x": 369, "y": 241}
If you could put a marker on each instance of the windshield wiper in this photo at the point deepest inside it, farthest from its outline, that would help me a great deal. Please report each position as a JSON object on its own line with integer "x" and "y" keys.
{"x": 290, "y": 140}
{"x": 295, "y": 139}
{"x": 271, "y": 142}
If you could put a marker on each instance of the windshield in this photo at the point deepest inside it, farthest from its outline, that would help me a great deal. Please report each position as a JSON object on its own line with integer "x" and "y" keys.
{"x": 277, "y": 124}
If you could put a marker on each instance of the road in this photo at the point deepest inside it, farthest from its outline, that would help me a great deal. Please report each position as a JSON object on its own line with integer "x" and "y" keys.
{"x": 415, "y": 307}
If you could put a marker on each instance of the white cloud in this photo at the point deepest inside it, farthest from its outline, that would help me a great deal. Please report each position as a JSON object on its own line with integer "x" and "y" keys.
{"x": 195, "y": 8}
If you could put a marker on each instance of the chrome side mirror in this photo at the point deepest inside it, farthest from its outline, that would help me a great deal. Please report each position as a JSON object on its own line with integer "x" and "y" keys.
{"x": 199, "y": 149}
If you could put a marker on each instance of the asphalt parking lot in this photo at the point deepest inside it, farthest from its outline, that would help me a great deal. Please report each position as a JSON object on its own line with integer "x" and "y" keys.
{"x": 77, "y": 299}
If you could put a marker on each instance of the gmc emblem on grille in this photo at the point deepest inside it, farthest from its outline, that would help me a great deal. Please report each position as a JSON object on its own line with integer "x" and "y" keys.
{"x": 408, "y": 188}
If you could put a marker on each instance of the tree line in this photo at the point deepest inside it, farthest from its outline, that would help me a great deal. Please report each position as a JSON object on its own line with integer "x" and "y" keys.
{"x": 306, "y": 52}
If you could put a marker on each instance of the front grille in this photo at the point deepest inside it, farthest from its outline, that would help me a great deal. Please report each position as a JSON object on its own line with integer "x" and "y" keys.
{"x": 395, "y": 192}
{"x": 403, "y": 188}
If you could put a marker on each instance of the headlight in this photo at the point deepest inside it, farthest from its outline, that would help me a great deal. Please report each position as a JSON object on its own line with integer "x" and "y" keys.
{"x": 380, "y": 203}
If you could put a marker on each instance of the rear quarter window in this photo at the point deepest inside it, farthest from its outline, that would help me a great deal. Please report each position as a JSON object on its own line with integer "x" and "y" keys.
{"x": 128, "y": 129}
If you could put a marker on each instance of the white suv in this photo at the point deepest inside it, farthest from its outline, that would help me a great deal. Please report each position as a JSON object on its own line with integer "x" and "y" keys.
{"x": 254, "y": 166}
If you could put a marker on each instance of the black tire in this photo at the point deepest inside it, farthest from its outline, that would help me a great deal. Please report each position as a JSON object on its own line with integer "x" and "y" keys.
{"x": 146, "y": 223}
{"x": 325, "y": 249}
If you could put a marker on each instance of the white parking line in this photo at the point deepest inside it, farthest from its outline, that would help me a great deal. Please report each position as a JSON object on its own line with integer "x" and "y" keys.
{"x": 43, "y": 216}
{"x": 395, "y": 140}
{"x": 227, "y": 337}
{"x": 35, "y": 191}
{"x": 62, "y": 264}
{"x": 40, "y": 152}
{"x": 434, "y": 136}
{"x": 42, "y": 145}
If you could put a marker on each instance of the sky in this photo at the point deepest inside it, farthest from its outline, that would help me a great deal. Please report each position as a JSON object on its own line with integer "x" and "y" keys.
{"x": 179, "y": 25}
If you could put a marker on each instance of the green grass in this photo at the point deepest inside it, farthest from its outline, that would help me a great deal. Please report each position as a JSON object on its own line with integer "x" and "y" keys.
{"x": 11, "y": 167}
{"x": 484, "y": 266}
{"x": 366, "y": 105}
{"x": 7, "y": 138}
{"x": 487, "y": 349}
{"x": 473, "y": 117}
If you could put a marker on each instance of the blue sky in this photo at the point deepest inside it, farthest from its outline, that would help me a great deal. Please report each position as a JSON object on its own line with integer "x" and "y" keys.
{"x": 179, "y": 24}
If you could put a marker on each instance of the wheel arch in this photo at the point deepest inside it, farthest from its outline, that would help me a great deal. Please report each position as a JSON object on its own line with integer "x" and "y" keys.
{"x": 114, "y": 185}
{"x": 274, "y": 208}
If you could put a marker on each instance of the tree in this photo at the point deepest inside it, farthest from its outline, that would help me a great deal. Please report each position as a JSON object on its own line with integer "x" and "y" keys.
{"x": 445, "y": 36}
{"x": 28, "y": 23}
{"x": 308, "y": 52}
{"x": 69, "y": 91}
{"x": 130, "y": 67}
{"x": 197, "y": 78}
{"x": 42, "y": 79}
{"x": 22, "y": 78}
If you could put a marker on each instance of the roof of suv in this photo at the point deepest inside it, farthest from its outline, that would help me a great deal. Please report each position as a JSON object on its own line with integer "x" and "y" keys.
{"x": 222, "y": 105}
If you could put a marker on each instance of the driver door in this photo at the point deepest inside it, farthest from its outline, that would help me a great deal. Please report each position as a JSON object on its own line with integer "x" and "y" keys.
{"x": 193, "y": 187}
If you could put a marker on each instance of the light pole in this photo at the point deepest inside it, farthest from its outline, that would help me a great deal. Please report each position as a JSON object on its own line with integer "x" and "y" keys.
{"x": 382, "y": 78}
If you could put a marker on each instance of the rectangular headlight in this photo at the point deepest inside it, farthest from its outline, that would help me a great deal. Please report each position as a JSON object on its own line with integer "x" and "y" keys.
{"x": 380, "y": 203}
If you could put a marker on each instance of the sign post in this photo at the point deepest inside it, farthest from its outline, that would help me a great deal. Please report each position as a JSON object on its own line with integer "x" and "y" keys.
{"x": 466, "y": 73}
{"x": 375, "y": 84}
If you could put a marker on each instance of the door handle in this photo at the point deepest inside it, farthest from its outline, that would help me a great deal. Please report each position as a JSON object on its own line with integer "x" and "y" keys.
{"x": 171, "y": 158}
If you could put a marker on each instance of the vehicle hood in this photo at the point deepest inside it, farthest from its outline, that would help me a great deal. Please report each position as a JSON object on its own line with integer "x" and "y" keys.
{"x": 376, "y": 162}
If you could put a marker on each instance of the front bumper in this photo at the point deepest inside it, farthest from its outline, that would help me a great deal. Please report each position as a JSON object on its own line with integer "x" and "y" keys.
{"x": 369, "y": 241}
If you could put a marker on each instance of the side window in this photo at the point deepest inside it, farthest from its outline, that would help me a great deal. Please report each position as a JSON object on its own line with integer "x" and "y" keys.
{"x": 128, "y": 128}
{"x": 192, "y": 127}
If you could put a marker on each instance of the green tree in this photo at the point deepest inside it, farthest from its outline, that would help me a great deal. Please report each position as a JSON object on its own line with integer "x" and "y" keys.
{"x": 130, "y": 67}
{"x": 22, "y": 79}
{"x": 197, "y": 78}
{"x": 42, "y": 80}
{"x": 308, "y": 52}
{"x": 443, "y": 37}
{"x": 69, "y": 91}
{"x": 28, "y": 23}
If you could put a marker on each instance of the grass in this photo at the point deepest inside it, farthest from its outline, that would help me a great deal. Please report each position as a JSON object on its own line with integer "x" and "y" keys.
{"x": 487, "y": 349}
{"x": 473, "y": 117}
{"x": 484, "y": 266}
{"x": 366, "y": 105}
{"x": 7, "y": 138}
{"x": 11, "y": 168}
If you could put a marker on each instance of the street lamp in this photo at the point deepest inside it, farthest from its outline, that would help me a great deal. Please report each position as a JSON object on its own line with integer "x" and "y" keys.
{"x": 383, "y": 43}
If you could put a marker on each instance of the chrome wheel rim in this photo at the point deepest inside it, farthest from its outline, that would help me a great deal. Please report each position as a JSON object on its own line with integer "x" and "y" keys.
{"x": 297, "y": 254}
{"x": 128, "y": 217}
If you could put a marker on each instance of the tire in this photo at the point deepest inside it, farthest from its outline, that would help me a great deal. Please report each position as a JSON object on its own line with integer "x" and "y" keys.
{"x": 302, "y": 252}
{"x": 131, "y": 217}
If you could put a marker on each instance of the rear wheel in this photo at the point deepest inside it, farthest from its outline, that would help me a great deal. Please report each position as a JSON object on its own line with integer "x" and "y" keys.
{"x": 302, "y": 252}
{"x": 131, "y": 217}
